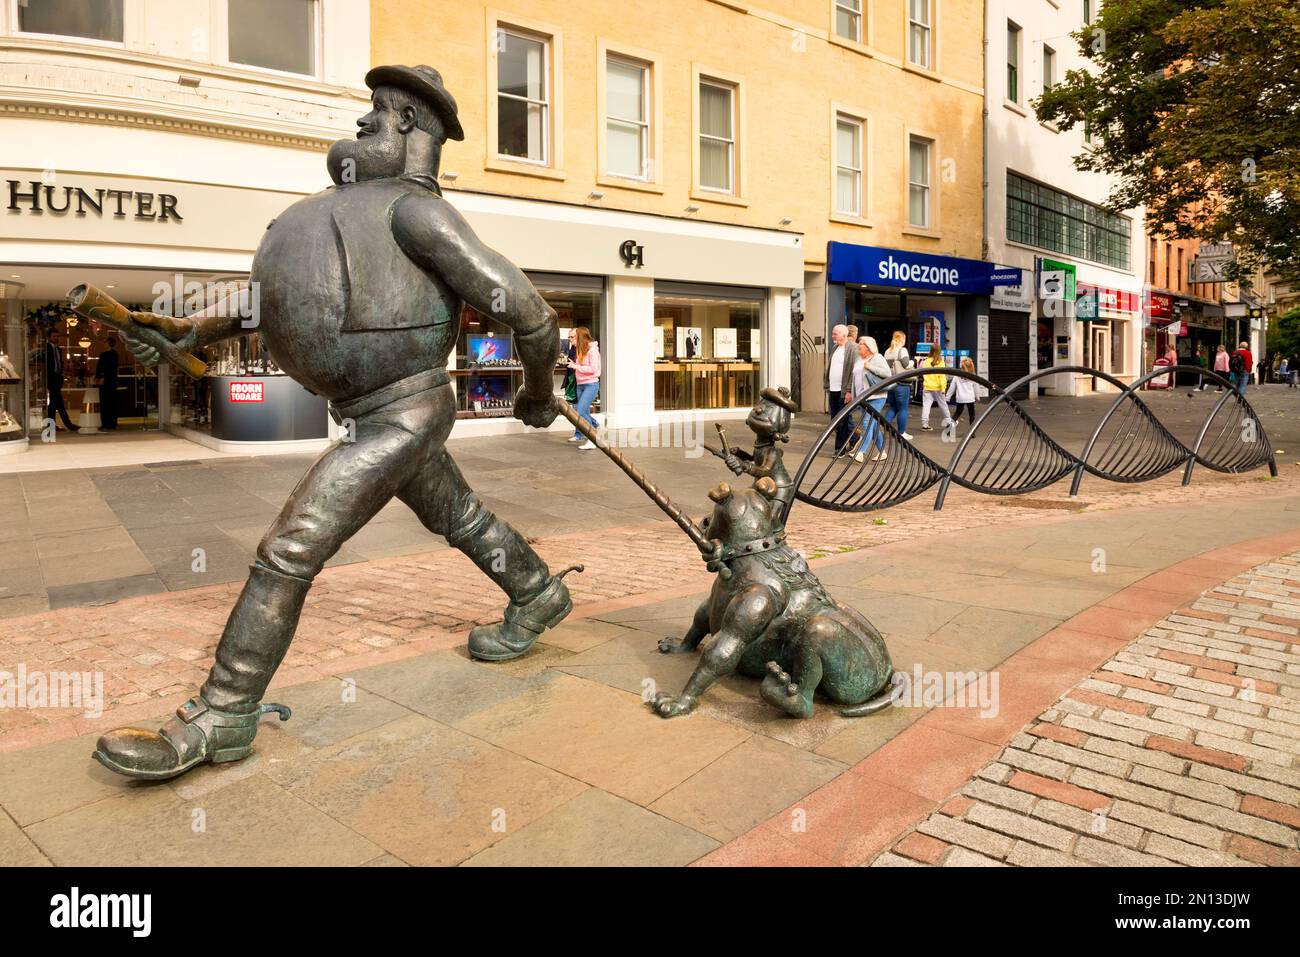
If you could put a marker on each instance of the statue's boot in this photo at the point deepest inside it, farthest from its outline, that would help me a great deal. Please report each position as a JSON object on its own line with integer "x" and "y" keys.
{"x": 220, "y": 723}
{"x": 538, "y": 599}
{"x": 524, "y": 623}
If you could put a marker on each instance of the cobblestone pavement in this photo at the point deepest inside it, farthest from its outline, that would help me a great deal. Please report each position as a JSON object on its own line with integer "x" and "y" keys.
{"x": 412, "y": 753}
{"x": 157, "y": 648}
{"x": 1182, "y": 749}
{"x": 83, "y": 537}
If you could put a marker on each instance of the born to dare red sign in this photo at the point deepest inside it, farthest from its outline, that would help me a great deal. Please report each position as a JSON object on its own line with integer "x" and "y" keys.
{"x": 246, "y": 392}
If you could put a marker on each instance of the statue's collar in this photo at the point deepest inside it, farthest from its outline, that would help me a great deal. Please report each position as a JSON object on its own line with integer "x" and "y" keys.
{"x": 427, "y": 180}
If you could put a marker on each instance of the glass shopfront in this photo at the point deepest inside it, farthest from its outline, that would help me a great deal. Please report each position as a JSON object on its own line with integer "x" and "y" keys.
{"x": 707, "y": 346}
{"x": 487, "y": 371}
{"x": 13, "y": 372}
{"x": 102, "y": 387}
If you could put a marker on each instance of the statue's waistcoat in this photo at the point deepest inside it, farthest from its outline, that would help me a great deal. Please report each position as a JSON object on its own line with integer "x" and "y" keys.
{"x": 344, "y": 309}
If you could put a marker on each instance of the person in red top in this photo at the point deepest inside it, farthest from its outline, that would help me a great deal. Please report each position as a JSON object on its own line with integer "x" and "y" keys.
{"x": 1242, "y": 376}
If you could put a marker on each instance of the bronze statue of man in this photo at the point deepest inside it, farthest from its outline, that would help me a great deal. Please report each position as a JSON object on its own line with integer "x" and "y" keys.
{"x": 361, "y": 288}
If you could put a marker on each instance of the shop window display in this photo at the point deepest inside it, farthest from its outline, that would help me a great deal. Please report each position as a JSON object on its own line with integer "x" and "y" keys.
{"x": 488, "y": 373}
{"x": 12, "y": 364}
{"x": 80, "y": 345}
{"x": 707, "y": 349}
{"x": 191, "y": 399}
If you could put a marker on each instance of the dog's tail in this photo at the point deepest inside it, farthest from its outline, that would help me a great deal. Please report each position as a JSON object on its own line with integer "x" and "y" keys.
{"x": 879, "y": 703}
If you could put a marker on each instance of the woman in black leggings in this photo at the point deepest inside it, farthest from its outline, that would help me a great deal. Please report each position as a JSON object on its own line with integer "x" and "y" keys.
{"x": 963, "y": 393}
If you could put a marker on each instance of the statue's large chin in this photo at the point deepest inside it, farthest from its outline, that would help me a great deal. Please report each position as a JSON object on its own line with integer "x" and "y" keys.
{"x": 352, "y": 161}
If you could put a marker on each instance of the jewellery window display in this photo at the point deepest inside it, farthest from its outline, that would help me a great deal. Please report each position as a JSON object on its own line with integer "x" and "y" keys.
{"x": 242, "y": 357}
{"x": 488, "y": 371}
{"x": 13, "y": 355}
{"x": 706, "y": 345}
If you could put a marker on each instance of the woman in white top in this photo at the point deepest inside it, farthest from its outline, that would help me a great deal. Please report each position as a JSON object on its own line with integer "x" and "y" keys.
{"x": 900, "y": 396}
{"x": 963, "y": 393}
{"x": 870, "y": 369}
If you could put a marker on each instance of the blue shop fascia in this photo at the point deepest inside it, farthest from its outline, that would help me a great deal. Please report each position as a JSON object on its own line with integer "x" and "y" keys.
{"x": 965, "y": 307}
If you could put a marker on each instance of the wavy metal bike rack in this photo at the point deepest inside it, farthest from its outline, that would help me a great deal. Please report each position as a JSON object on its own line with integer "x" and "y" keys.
{"x": 1006, "y": 452}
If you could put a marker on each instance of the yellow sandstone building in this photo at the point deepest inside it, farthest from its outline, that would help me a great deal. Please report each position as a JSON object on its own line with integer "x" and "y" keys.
{"x": 710, "y": 186}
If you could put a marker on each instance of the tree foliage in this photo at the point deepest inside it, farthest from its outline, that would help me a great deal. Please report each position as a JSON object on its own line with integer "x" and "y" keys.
{"x": 1284, "y": 334}
{"x": 1196, "y": 104}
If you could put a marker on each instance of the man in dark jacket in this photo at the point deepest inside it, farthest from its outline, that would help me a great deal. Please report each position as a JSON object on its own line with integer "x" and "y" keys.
{"x": 54, "y": 383}
{"x": 106, "y": 376}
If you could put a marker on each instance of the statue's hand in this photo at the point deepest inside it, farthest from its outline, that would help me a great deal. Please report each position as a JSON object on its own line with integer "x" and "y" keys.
{"x": 535, "y": 410}
{"x": 183, "y": 332}
{"x": 733, "y": 462}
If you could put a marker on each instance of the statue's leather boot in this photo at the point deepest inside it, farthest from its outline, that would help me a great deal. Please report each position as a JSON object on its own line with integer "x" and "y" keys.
{"x": 524, "y": 623}
{"x": 220, "y": 723}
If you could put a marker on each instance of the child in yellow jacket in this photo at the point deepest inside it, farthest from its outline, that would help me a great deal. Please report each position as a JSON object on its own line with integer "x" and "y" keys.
{"x": 936, "y": 389}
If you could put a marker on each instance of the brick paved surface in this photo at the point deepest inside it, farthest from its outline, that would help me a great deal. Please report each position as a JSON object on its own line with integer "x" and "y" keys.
{"x": 156, "y": 648}
{"x": 403, "y": 750}
{"x": 1184, "y": 748}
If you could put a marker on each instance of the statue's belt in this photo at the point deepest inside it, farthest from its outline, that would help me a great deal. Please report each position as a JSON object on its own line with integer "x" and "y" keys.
{"x": 411, "y": 385}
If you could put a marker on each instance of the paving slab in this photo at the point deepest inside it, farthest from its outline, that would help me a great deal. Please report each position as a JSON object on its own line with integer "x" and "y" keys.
{"x": 597, "y": 829}
{"x": 424, "y": 792}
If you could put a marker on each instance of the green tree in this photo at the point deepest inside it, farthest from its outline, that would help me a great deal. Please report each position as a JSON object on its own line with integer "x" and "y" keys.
{"x": 1194, "y": 104}
{"x": 1284, "y": 334}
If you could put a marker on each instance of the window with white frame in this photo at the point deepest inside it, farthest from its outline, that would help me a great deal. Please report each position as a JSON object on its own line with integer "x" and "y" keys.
{"x": 717, "y": 136}
{"x": 848, "y": 19}
{"x": 1013, "y": 62}
{"x": 274, "y": 34}
{"x": 918, "y": 181}
{"x": 523, "y": 96}
{"x": 919, "y": 32}
{"x": 1049, "y": 68}
{"x": 627, "y": 117}
{"x": 848, "y": 164}
{"x": 88, "y": 19}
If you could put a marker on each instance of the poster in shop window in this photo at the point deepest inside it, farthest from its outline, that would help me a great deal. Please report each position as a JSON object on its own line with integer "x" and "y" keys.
{"x": 690, "y": 340}
{"x": 724, "y": 344}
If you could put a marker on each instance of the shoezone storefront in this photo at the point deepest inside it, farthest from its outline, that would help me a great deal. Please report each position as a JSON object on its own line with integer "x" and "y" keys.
{"x": 940, "y": 302}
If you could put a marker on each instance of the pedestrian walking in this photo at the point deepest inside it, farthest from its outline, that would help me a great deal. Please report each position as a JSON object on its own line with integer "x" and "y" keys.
{"x": 1293, "y": 377}
{"x": 1222, "y": 364}
{"x": 1202, "y": 363}
{"x": 963, "y": 393}
{"x": 935, "y": 390}
{"x": 54, "y": 404}
{"x": 900, "y": 396}
{"x": 586, "y": 370}
{"x": 1240, "y": 363}
{"x": 839, "y": 383}
{"x": 571, "y": 377}
{"x": 869, "y": 371}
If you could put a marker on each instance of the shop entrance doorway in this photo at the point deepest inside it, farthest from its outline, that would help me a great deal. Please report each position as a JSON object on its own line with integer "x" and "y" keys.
{"x": 1099, "y": 354}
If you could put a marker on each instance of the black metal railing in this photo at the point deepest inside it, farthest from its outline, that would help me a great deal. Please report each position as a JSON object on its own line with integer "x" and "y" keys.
{"x": 1005, "y": 452}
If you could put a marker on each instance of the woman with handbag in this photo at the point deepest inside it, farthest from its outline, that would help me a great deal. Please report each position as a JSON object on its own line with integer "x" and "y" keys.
{"x": 586, "y": 368}
{"x": 900, "y": 396}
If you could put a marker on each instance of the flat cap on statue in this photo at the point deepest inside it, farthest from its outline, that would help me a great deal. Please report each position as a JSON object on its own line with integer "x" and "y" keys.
{"x": 426, "y": 83}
